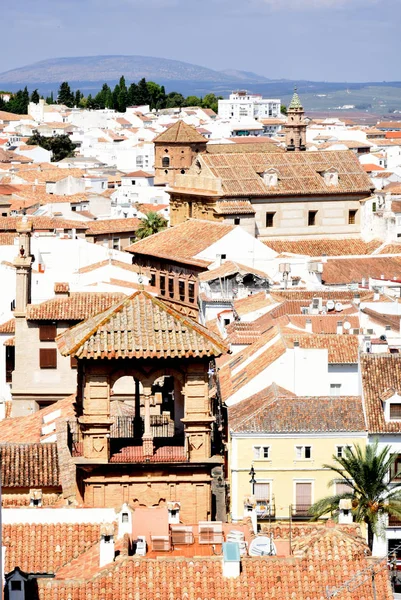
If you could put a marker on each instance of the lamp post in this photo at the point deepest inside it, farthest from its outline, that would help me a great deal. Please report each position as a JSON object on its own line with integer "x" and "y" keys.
{"x": 252, "y": 480}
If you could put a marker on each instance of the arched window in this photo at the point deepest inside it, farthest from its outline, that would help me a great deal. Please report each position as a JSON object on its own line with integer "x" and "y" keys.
{"x": 166, "y": 161}
{"x": 292, "y": 142}
{"x": 182, "y": 171}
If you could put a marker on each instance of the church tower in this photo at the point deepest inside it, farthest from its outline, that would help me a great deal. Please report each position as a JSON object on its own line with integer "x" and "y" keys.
{"x": 295, "y": 129}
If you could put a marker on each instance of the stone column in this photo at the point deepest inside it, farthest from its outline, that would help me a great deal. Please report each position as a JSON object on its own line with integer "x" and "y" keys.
{"x": 147, "y": 436}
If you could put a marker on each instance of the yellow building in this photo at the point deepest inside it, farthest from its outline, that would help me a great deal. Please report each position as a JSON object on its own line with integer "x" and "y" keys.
{"x": 279, "y": 443}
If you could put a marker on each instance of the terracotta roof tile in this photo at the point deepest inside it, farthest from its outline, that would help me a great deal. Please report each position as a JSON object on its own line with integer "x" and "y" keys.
{"x": 112, "y": 226}
{"x": 381, "y": 376}
{"x": 328, "y": 247}
{"x": 41, "y": 223}
{"x": 342, "y": 349}
{"x": 136, "y": 327}
{"x": 278, "y": 411}
{"x": 353, "y": 270}
{"x": 8, "y": 326}
{"x": 76, "y": 307}
{"x": 29, "y": 465}
{"x": 180, "y": 132}
{"x": 228, "y": 268}
{"x": 252, "y": 303}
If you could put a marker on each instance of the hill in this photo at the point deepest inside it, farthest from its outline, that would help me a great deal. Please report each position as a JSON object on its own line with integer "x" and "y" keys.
{"x": 110, "y": 68}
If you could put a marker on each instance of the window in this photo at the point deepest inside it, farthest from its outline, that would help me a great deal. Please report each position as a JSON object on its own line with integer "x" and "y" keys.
{"x": 335, "y": 389}
{"x": 302, "y": 452}
{"x": 182, "y": 171}
{"x": 395, "y": 411}
{"x": 162, "y": 285}
{"x": 48, "y": 332}
{"x": 16, "y": 586}
{"x": 261, "y": 491}
{"x": 312, "y": 218}
{"x": 171, "y": 287}
{"x": 116, "y": 243}
{"x": 352, "y": 217}
{"x": 48, "y": 358}
{"x": 303, "y": 498}
{"x": 73, "y": 208}
{"x": 181, "y": 290}
{"x": 226, "y": 322}
{"x": 152, "y": 281}
{"x": 133, "y": 182}
{"x": 165, "y": 161}
{"x": 270, "y": 219}
{"x": 132, "y": 240}
{"x": 342, "y": 487}
{"x": 237, "y": 221}
{"x": 191, "y": 292}
{"x": 341, "y": 450}
{"x": 261, "y": 452}
{"x": 73, "y": 362}
{"x": 124, "y": 518}
{"x": 374, "y": 206}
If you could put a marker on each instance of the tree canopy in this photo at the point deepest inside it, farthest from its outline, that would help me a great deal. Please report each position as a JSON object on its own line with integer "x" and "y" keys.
{"x": 60, "y": 145}
{"x": 374, "y": 489}
{"x": 152, "y": 223}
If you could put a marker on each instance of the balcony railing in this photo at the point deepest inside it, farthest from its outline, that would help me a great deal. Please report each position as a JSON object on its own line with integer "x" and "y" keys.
{"x": 300, "y": 511}
{"x": 265, "y": 509}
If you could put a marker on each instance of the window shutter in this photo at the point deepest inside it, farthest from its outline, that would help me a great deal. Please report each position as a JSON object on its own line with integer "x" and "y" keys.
{"x": 48, "y": 358}
{"x": 47, "y": 332}
{"x": 262, "y": 491}
{"x": 304, "y": 494}
{"x": 343, "y": 488}
{"x": 73, "y": 362}
{"x": 395, "y": 411}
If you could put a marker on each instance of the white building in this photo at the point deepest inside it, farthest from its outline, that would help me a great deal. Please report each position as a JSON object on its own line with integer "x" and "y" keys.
{"x": 242, "y": 104}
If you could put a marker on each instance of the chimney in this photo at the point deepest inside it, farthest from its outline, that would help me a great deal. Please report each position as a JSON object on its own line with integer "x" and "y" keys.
{"x": 107, "y": 553}
{"x": 388, "y": 328}
{"x": 124, "y": 518}
{"x": 173, "y": 512}
{"x": 339, "y": 327}
{"x": 231, "y": 559}
{"x": 345, "y": 514}
{"x": 357, "y": 299}
{"x": 308, "y": 326}
{"x": 62, "y": 289}
{"x": 376, "y": 296}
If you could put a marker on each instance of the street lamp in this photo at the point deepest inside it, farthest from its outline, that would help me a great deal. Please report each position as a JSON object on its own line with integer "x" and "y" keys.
{"x": 252, "y": 480}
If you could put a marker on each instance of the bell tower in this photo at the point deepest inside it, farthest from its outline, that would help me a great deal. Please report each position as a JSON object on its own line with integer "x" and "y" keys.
{"x": 295, "y": 129}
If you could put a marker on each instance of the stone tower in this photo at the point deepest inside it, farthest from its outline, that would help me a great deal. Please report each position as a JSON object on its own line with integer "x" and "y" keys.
{"x": 295, "y": 129}
{"x": 175, "y": 150}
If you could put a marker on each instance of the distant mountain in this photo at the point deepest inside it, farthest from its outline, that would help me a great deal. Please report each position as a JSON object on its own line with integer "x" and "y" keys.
{"x": 245, "y": 76}
{"x": 110, "y": 69}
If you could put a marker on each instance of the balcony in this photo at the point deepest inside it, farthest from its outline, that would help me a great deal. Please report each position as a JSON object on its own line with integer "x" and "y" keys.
{"x": 265, "y": 510}
{"x": 126, "y": 443}
{"x": 300, "y": 511}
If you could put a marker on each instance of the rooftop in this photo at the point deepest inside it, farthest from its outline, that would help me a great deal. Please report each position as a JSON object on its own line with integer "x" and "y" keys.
{"x": 180, "y": 132}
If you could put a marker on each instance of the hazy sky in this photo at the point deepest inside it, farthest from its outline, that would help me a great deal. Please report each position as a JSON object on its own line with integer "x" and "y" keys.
{"x": 332, "y": 40}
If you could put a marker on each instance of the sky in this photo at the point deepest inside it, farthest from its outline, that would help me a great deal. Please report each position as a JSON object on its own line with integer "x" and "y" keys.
{"x": 325, "y": 40}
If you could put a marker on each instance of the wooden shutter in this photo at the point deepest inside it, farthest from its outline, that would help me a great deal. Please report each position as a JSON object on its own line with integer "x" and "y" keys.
{"x": 303, "y": 494}
{"x": 73, "y": 362}
{"x": 47, "y": 332}
{"x": 48, "y": 358}
{"x": 395, "y": 411}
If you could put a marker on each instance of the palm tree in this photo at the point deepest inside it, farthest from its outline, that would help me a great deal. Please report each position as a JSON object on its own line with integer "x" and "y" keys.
{"x": 152, "y": 223}
{"x": 369, "y": 473}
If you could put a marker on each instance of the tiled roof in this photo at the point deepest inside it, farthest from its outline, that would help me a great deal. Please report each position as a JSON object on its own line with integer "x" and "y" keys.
{"x": 272, "y": 411}
{"x": 139, "y": 173}
{"x": 235, "y": 207}
{"x": 7, "y": 239}
{"x": 112, "y": 226}
{"x": 326, "y": 558}
{"x": 228, "y": 268}
{"x": 180, "y": 132}
{"x": 342, "y": 349}
{"x": 139, "y": 326}
{"x": 324, "y": 323}
{"x": 104, "y": 263}
{"x": 383, "y": 319}
{"x": 244, "y": 145}
{"x": 343, "y": 296}
{"x": 41, "y": 223}
{"x": 248, "y": 332}
{"x": 28, "y": 429}
{"x": 29, "y": 465}
{"x": 8, "y": 326}
{"x": 381, "y": 376}
{"x": 300, "y": 173}
{"x": 328, "y": 247}
{"x": 51, "y": 175}
{"x": 44, "y": 548}
{"x": 76, "y": 307}
{"x": 252, "y": 303}
{"x": 353, "y": 270}
{"x": 184, "y": 241}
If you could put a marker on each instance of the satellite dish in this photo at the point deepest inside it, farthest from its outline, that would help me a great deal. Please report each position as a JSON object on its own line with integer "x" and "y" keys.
{"x": 330, "y": 304}
{"x": 347, "y": 325}
{"x": 262, "y": 546}
{"x": 383, "y": 338}
{"x": 338, "y": 306}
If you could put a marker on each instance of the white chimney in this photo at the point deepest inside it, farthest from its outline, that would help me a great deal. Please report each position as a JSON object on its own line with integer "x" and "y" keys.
{"x": 308, "y": 326}
{"x": 345, "y": 514}
{"x": 339, "y": 327}
{"x": 173, "y": 512}
{"x": 124, "y": 521}
{"x": 376, "y": 296}
{"x": 231, "y": 559}
{"x": 250, "y": 512}
{"x": 107, "y": 553}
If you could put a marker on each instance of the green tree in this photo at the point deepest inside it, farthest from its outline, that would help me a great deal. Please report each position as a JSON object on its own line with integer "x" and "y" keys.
{"x": 35, "y": 96}
{"x": 60, "y": 145}
{"x": 143, "y": 92}
{"x": 211, "y": 101}
{"x": 152, "y": 223}
{"x": 90, "y": 102}
{"x": 369, "y": 473}
{"x": 18, "y": 103}
{"x": 65, "y": 95}
{"x": 174, "y": 100}
{"x": 157, "y": 95}
{"x": 101, "y": 97}
{"x": 283, "y": 109}
{"x": 50, "y": 99}
{"x": 192, "y": 101}
{"x": 133, "y": 94}
{"x": 78, "y": 97}
{"x": 116, "y": 93}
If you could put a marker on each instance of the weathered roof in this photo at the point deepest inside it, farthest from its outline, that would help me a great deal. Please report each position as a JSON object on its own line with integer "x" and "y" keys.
{"x": 180, "y": 132}
{"x": 29, "y": 465}
{"x": 140, "y": 326}
{"x": 349, "y": 270}
{"x": 235, "y": 207}
{"x": 41, "y": 223}
{"x": 274, "y": 410}
{"x": 183, "y": 242}
{"x": 300, "y": 173}
{"x": 112, "y": 226}
{"x": 75, "y": 307}
{"x": 327, "y": 246}
{"x": 381, "y": 376}
{"x": 8, "y": 326}
{"x": 230, "y": 268}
